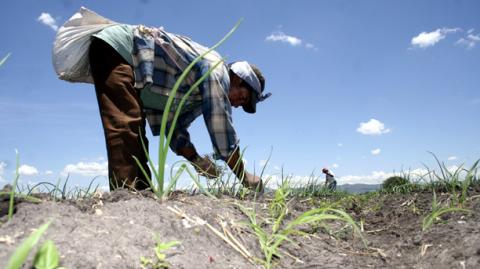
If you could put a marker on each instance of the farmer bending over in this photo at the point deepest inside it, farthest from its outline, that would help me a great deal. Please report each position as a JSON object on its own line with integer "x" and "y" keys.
{"x": 134, "y": 69}
{"x": 330, "y": 181}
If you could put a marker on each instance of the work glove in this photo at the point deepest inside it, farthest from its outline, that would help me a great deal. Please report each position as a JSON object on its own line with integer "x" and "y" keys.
{"x": 206, "y": 167}
{"x": 253, "y": 182}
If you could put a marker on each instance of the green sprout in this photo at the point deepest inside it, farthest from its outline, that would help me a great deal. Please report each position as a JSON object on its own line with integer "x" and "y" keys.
{"x": 46, "y": 258}
{"x": 161, "y": 256}
{"x": 435, "y": 215}
{"x": 270, "y": 241}
{"x": 12, "y": 192}
{"x": 437, "y": 211}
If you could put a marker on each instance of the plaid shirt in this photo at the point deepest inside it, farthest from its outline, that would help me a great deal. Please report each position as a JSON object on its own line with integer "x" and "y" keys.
{"x": 159, "y": 59}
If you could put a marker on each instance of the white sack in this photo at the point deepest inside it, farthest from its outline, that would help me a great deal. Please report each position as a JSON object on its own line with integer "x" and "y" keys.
{"x": 70, "y": 49}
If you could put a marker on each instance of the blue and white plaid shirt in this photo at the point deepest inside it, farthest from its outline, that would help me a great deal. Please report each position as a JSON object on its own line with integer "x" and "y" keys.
{"x": 159, "y": 59}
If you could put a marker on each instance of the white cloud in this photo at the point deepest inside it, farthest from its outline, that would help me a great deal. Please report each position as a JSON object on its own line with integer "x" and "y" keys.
{"x": 277, "y": 168}
{"x": 429, "y": 39}
{"x": 376, "y": 151}
{"x": 418, "y": 173}
{"x": 311, "y": 46}
{"x": 469, "y": 41}
{"x": 27, "y": 170}
{"x": 340, "y": 144}
{"x": 290, "y": 39}
{"x": 282, "y": 37}
{"x": 452, "y": 158}
{"x": 3, "y": 165}
{"x": 453, "y": 168}
{"x": 86, "y": 169}
{"x": 49, "y": 172}
{"x": 48, "y": 20}
{"x": 376, "y": 177}
{"x": 335, "y": 165}
{"x": 263, "y": 163}
{"x": 275, "y": 180}
{"x": 372, "y": 127}
{"x": 475, "y": 38}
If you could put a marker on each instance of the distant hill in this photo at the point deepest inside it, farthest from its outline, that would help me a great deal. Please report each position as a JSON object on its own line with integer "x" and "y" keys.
{"x": 358, "y": 188}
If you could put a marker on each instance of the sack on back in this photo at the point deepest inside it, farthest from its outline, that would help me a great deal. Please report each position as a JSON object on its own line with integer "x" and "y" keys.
{"x": 70, "y": 50}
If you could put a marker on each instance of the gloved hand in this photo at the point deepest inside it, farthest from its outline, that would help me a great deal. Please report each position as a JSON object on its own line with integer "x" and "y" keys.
{"x": 253, "y": 182}
{"x": 206, "y": 167}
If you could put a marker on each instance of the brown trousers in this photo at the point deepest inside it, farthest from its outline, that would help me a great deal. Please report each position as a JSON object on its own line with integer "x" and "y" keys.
{"x": 122, "y": 116}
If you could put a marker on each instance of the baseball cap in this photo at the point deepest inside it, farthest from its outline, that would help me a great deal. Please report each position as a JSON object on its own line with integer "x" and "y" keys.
{"x": 245, "y": 71}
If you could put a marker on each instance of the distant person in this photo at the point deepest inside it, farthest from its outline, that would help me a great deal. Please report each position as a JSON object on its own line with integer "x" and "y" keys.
{"x": 134, "y": 69}
{"x": 330, "y": 182}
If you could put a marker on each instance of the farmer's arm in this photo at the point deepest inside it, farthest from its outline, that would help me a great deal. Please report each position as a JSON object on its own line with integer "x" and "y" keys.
{"x": 235, "y": 163}
{"x": 182, "y": 146}
{"x": 189, "y": 153}
{"x": 217, "y": 113}
{"x": 181, "y": 143}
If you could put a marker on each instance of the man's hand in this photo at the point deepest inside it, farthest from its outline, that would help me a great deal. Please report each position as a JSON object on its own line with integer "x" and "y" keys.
{"x": 205, "y": 167}
{"x": 253, "y": 182}
{"x": 248, "y": 180}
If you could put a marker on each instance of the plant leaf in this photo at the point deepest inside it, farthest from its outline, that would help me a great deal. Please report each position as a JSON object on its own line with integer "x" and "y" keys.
{"x": 47, "y": 257}
{"x": 428, "y": 220}
{"x": 21, "y": 253}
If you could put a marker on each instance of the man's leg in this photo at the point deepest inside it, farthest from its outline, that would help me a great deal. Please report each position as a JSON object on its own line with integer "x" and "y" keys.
{"x": 122, "y": 116}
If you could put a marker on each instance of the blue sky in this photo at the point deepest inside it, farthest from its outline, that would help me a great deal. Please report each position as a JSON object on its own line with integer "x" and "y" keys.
{"x": 362, "y": 87}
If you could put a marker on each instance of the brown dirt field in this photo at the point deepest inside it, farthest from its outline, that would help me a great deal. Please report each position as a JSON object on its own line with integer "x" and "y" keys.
{"x": 113, "y": 230}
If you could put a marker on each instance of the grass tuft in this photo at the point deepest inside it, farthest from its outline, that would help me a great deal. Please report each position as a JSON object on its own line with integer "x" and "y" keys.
{"x": 270, "y": 241}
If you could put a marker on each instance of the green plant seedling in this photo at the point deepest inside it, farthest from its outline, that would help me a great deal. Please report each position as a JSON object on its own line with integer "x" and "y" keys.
{"x": 467, "y": 182}
{"x": 414, "y": 209}
{"x": 270, "y": 241}
{"x": 14, "y": 186}
{"x": 430, "y": 219}
{"x": 24, "y": 196}
{"x": 47, "y": 257}
{"x": 162, "y": 247}
{"x": 197, "y": 182}
{"x": 161, "y": 256}
{"x": 21, "y": 253}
